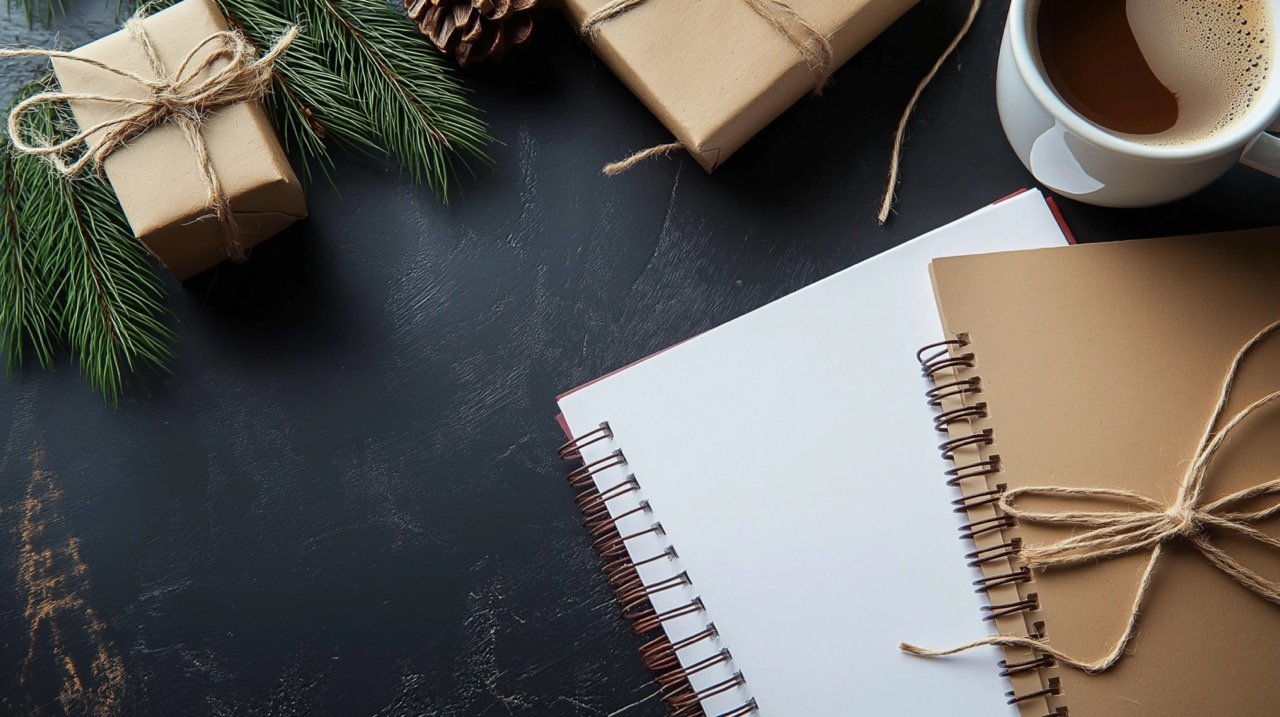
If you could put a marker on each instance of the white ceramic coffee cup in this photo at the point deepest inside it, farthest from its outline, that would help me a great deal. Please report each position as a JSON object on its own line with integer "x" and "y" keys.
{"x": 1079, "y": 159}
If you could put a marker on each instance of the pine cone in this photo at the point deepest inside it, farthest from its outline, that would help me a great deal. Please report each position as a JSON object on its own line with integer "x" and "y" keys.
{"x": 473, "y": 31}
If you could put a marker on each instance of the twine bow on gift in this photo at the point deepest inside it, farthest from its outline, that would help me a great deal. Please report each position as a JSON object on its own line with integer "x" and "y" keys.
{"x": 228, "y": 74}
{"x": 1149, "y": 525}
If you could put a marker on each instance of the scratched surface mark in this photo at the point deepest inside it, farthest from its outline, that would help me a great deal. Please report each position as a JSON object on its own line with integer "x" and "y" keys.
{"x": 70, "y": 663}
{"x": 345, "y": 498}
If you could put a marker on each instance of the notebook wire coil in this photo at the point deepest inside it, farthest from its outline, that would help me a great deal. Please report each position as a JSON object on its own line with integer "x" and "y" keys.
{"x": 659, "y": 654}
{"x": 947, "y": 364}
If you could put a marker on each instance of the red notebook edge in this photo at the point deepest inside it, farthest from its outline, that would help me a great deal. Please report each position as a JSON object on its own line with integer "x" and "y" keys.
{"x": 1062, "y": 222}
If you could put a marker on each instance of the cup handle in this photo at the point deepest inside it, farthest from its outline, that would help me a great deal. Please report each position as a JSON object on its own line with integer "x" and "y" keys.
{"x": 1263, "y": 153}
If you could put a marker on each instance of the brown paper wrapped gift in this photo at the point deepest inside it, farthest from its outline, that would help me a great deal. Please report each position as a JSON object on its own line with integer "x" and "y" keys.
{"x": 156, "y": 176}
{"x": 715, "y": 72}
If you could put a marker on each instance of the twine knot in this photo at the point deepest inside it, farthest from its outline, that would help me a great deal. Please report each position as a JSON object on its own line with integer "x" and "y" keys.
{"x": 1148, "y": 524}
{"x": 227, "y": 74}
{"x": 1184, "y": 521}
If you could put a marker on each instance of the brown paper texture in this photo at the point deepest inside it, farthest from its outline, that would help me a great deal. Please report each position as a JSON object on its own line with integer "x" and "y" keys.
{"x": 1100, "y": 365}
{"x": 715, "y": 72}
{"x": 156, "y": 178}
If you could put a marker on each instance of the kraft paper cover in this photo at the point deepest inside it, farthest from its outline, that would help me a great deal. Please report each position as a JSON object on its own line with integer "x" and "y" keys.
{"x": 155, "y": 177}
{"x": 1100, "y": 366}
{"x": 715, "y": 72}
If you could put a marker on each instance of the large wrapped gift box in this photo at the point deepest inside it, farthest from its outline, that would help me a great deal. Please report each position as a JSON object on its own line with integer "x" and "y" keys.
{"x": 715, "y": 72}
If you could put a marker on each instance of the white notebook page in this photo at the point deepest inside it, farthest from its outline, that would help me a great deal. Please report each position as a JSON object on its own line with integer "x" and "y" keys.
{"x": 791, "y": 460}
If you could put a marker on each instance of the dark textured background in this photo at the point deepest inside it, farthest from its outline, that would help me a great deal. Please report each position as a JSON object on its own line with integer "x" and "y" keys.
{"x": 345, "y": 499}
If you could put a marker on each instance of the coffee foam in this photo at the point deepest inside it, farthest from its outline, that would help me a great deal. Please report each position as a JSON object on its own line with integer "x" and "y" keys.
{"x": 1215, "y": 56}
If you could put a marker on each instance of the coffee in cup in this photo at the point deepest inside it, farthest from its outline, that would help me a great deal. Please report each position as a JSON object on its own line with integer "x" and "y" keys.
{"x": 1160, "y": 72}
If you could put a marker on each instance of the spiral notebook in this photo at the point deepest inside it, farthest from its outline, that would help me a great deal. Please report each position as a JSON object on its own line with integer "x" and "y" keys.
{"x": 1099, "y": 367}
{"x": 765, "y": 500}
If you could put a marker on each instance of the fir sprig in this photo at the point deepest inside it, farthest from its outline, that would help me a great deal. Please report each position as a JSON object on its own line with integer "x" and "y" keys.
{"x": 359, "y": 77}
{"x": 26, "y": 316}
{"x": 409, "y": 100}
{"x": 74, "y": 271}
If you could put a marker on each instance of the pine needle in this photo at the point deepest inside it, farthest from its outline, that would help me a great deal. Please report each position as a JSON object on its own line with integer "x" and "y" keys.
{"x": 361, "y": 77}
{"x": 26, "y": 317}
{"x": 404, "y": 94}
{"x": 98, "y": 288}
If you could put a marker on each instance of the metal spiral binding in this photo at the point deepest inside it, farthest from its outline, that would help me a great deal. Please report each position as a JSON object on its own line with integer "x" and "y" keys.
{"x": 688, "y": 702}
{"x": 942, "y": 391}
{"x": 1054, "y": 688}
{"x": 1012, "y": 668}
{"x": 964, "y": 413}
{"x": 1029, "y": 604}
{"x": 949, "y": 447}
{"x": 1003, "y": 551}
{"x": 938, "y": 355}
{"x": 934, "y": 359}
{"x": 974, "y": 528}
{"x": 659, "y": 654}
{"x": 965, "y": 503}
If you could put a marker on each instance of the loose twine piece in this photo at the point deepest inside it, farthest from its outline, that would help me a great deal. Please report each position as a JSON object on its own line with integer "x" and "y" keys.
{"x": 1150, "y": 524}
{"x": 818, "y": 56}
{"x": 895, "y": 159}
{"x": 181, "y": 97}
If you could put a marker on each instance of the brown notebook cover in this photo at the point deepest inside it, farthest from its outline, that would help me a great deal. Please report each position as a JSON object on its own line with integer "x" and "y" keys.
{"x": 1099, "y": 366}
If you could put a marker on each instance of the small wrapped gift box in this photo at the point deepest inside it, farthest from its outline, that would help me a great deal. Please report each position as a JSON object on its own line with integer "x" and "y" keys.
{"x": 715, "y": 72}
{"x": 157, "y": 175}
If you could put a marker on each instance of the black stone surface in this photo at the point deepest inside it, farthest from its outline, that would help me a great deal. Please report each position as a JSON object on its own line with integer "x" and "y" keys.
{"x": 345, "y": 498}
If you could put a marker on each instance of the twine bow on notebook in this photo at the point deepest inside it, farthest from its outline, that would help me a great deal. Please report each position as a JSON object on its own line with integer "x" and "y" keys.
{"x": 1149, "y": 525}
{"x": 818, "y": 55}
{"x": 230, "y": 73}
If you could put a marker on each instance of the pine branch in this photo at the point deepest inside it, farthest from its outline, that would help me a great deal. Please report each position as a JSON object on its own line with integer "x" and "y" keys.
{"x": 302, "y": 82}
{"x": 101, "y": 288}
{"x": 412, "y": 103}
{"x": 361, "y": 76}
{"x": 26, "y": 318}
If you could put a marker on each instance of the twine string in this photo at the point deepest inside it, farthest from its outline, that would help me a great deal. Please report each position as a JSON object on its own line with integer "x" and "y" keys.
{"x": 813, "y": 46}
{"x": 605, "y": 13}
{"x": 900, "y": 135}
{"x": 229, "y": 74}
{"x": 613, "y": 169}
{"x": 1148, "y": 524}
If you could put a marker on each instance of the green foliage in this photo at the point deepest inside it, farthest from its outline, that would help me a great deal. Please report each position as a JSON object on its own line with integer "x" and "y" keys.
{"x": 362, "y": 78}
{"x": 72, "y": 272}
{"x": 359, "y": 78}
{"x": 32, "y": 10}
{"x": 26, "y": 318}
